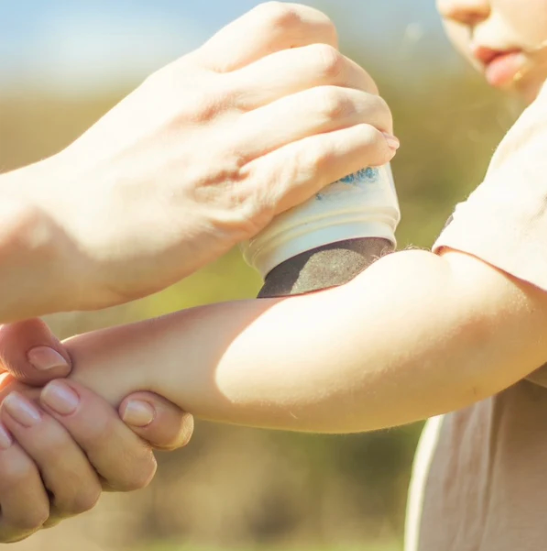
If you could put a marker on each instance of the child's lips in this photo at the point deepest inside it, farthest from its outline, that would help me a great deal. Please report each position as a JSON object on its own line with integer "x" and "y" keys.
{"x": 501, "y": 67}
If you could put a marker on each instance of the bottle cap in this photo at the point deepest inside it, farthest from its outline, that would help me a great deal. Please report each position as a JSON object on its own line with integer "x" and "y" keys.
{"x": 363, "y": 204}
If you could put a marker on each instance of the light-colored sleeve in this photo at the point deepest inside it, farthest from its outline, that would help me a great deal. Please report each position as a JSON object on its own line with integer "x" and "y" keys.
{"x": 504, "y": 223}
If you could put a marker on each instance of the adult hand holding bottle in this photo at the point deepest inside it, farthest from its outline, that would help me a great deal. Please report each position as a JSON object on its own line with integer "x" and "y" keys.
{"x": 199, "y": 158}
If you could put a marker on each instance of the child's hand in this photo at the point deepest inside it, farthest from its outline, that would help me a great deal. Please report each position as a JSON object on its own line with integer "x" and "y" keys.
{"x": 54, "y": 464}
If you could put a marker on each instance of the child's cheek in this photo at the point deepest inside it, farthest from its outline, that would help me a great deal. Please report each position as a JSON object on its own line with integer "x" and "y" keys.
{"x": 527, "y": 20}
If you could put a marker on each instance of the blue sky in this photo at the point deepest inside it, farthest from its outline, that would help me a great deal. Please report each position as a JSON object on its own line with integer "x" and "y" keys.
{"x": 79, "y": 45}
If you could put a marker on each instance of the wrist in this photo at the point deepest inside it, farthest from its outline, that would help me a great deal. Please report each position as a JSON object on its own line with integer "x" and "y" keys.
{"x": 35, "y": 261}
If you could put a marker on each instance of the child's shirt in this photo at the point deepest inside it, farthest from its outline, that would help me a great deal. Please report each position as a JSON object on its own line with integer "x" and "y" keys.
{"x": 480, "y": 476}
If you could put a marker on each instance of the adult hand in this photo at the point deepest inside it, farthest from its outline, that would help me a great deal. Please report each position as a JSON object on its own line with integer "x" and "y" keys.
{"x": 58, "y": 451}
{"x": 203, "y": 155}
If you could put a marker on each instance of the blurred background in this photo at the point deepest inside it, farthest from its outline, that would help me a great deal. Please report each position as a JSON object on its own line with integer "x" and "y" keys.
{"x": 62, "y": 65}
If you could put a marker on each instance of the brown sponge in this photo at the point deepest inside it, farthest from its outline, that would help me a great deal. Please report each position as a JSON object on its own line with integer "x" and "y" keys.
{"x": 326, "y": 266}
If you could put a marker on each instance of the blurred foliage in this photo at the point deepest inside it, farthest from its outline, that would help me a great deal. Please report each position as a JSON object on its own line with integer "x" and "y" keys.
{"x": 239, "y": 487}
{"x": 175, "y": 547}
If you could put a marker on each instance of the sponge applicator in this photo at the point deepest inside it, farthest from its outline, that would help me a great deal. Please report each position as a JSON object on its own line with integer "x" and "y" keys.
{"x": 331, "y": 238}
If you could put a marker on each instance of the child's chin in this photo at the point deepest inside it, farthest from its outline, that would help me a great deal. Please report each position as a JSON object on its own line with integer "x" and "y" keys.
{"x": 531, "y": 83}
{"x": 529, "y": 90}
{"x": 526, "y": 88}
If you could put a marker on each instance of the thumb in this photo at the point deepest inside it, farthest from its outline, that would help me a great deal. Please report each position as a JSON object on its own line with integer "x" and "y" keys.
{"x": 31, "y": 353}
{"x": 157, "y": 421}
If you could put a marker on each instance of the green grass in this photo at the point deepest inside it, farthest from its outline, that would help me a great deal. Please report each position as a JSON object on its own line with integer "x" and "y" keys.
{"x": 187, "y": 547}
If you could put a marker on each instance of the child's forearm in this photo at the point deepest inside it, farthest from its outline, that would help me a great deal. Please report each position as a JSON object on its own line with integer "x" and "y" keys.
{"x": 413, "y": 336}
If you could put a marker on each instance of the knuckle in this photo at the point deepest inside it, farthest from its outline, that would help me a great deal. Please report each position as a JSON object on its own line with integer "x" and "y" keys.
{"x": 168, "y": 76}
{"x": 211, "y": 102}
{"x": 319, "y": 160}
{"x": 101, "y": 431}
{"x": 331, "y": 102}
{"x": 372, "y": 86}
{"x": 291, "y": 17}
{"x": 385, "y": 113}
{"x": 256, "y": 206}
{"x": 199, "y": 108}
{"x": 74, "y": 495}
{"x": 248, "y": 217}
{"x": 139, "y": 468}
{"x": 243, "y": 202}
{"x": 53, "y": 442}
{"x": 9, "y": 535}
{"x": 51, "y": 522}
{"x": 375, "y": 148}
{"x": 328, "y": 61}
{"x": 142, "y": 476}
{"x": 371, "y": 136}
{"x": 205, "y": 97}
{"x": 84, "y": 501}
{"x": 279, "y": 14}
{"x": 15, "y": 473}
{"x": 33, "y": 519}
{"x": 227, "y": 95}
{"x": 369, "y": 85}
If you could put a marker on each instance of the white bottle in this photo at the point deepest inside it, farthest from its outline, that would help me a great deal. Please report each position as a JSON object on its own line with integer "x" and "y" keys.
{"x": 361, "y": 205}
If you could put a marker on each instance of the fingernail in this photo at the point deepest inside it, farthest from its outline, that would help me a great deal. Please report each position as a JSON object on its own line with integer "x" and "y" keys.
{"x": 21, "y": 410}
{"x": 5, "y": 438}
{"x": 392, "y": 141}
{"x": 138, "y": 413}
{"x": 45, "y": 358}
{"x": 60, "y": 398}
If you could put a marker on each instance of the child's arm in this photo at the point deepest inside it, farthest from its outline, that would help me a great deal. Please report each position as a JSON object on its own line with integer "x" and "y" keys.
{"x": 413, "y": 336}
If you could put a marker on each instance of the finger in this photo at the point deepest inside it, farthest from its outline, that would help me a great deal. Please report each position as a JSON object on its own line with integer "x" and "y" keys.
{"x": 316, "y": 111}
{"x": 162, "y": 424}
{"x": 268, "y": 28}
{"x": 301, "y": 169}
{"x": 31, "y": 353}
{"x": 73, "y": 485}
{"x": 291, "y": 71}
{"x": 23, "y": 499}
{"x": 120, "y": 457}
{"x": 8, "y": 384}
